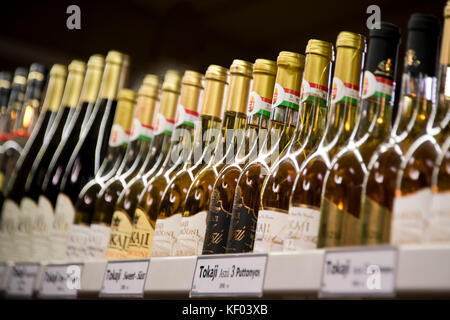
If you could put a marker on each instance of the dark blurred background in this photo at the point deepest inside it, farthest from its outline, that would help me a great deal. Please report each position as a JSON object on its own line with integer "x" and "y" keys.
{"x": 185, "y": 34}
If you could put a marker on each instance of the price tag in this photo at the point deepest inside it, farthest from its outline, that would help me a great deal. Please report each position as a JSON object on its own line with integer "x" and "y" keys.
{"x": 61, "y": 281}
{"x": 3, "y": 271}
{"x": 361, "y": 272}
{"x": 22, "y": 280}
{"x": 125, "y": 278}
{"x": 229, "y": 275}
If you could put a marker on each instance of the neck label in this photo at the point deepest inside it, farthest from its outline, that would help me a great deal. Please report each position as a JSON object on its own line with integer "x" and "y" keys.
{"x": 344, "y": 91}
{"x": 314, "y": 92}
{"x": 163, "y": 125}
{"x": 185, "y": 116}
{"x": 285, "y": 97}
{"x": 376, "y": 86}
{"x": 118, "y": 136}
{"x": 141, "y": 131}
{"x": 259, "y": 105}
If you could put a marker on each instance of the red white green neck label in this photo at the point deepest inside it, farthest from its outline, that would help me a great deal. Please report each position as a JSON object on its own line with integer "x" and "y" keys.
{"x": 376, "y": 86}
{"x": 184, "y": 116}
{"x": 285, "y": 97}
{"x": 119, "y": 136}
{"x": 344, "y": 91}
{"x": 258, "y": 105}
{"x": 163, "y": 125}
{"x": 314, "y": 92}
{"x": 141, "y": 131}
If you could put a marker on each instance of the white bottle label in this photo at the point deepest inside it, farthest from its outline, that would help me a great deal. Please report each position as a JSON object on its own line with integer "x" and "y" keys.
{"x": 9, "y": 223}
{"x": 118, "y": 136}
{"x": 344, "y": 91}
{"x": 163, "y": 125}
{"x": 98, "y": 241}
{"x": 43, "y": 223}
{"x": 439, "y": 220}
{"x": 259, "y": 104}
{"x": 270, "y": 231}
{"x": 59, "y": 235}
{"x": 192, "y": 235}
{"x": 166, "y": 234}
{"x": 140, "y": 131}
{"x": 185, "y": 116}
{"x": 409, "y": 216}
{"x": 78, "y": 243}
{"x": 302, "y": 229}
{"x": 23, "y": 235}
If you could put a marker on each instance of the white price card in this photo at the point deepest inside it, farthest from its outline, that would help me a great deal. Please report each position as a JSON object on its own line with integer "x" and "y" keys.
{"x": 125, "y": 278}
{"x": 3, "y": 267}
{"x": 359, "y": 272}
{"x": 61, "y": 281}
{"x": 229, "y": 275}
{"x": 22, "y": 280}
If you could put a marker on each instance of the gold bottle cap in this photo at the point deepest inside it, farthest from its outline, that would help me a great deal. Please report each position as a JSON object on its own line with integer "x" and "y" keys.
{"x": 265, "y": 66}
{"x": 74, "y": 83}
{"x": 93, "y": 78}
{"x": 320, "y": 47}
{"x": 124, "y": 110}
{"x": 447, "y": 10}
{"x": 114, "y": 57}
{"x": 151, "y": 80}
{"x": 172, "y": 73}
{"x": 58, "y": 70}
{"x": 192, "y": 78}
{"x": 215, "y": 72}
{"x": 292, "y": 59}
{"x": 239, "y": 90}
{"x": 351, "y": 40}
{"x": 172, "y": 81}
{"x": 96, "y": 61}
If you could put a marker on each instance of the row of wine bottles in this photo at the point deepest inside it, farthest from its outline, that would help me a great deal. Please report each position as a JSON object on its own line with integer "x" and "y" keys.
{"x": 256, "y": 158}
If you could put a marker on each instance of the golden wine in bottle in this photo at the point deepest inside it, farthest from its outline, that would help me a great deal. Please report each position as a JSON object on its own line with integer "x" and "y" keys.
{"x": 284, "y": 117}
{"x": 144, "y": 220}
{"x": 273, "y": 215}
{"x": 414, "y": 110}
{"x": 342, "y": 116}
{"x": 258, "y": 114}
{"x": 173, "y": 199}
{"x": 193, "y": 221}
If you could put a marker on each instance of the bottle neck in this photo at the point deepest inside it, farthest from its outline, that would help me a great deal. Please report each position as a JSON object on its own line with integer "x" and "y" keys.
{"x": 206, "y": 135}
{"x": 442, "y": 116}
{"x": 180, "y": 145}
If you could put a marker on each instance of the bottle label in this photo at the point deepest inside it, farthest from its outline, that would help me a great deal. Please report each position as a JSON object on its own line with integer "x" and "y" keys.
{"x": 43, "y": 223}
{"x": 166, "y": 233}
{"x": 302, "y": 229}
{"x": 140, "y": 131}
{"x": 163, "y": 125}
{"x": 60, "y": 233}
{"x": 217, "y": 225}
{"x": 118, "y": 136}
{"x": 344, "y": 91}
{"x": 314, "y": 92}
{"x": 23, "y": 234}
{"x": 243, "y": 225}
{"x": 409, "y": 214}
{"x": 270, "y": 231}
{"x": 98, "y": 241}
{"x": 185, "y": 116}
{"x": 9, "y": 223}
{"x": 259, "y": 105}
{"x": 192, "y": 234}
{"x": 140, "y": 244}
{"x": 285, "y": 97}
{"x": 439, "y": 222}
{"x": 78, "y": 242}
{"x": 121, "y": 229}
{"x": 377, "y": 86}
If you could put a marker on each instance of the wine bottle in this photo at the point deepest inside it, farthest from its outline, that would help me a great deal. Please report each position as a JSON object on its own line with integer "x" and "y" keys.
{"x": 276, "y": 190}
{"x": 413, "y": 193}
{"x": 258, "y": 114}
{"x": 5, "y": 89}
{"x": 414, "y": 109}
{"x": 340, "y": 218}
{"x": 342, "y": 116}
{"x": 438, "y": 230}
{"x": 81, "y": 166}
{"x": 192, "y": 228}
{"x": 140, "y": 142}
{"x": 285, "y": 106}
{"x": 33, "y": 183}
{"x": 172, "y": 200}
{"x": 15, "y": 189}
{"x": 50, "y": 186}
{"x": 15, "y": 102}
